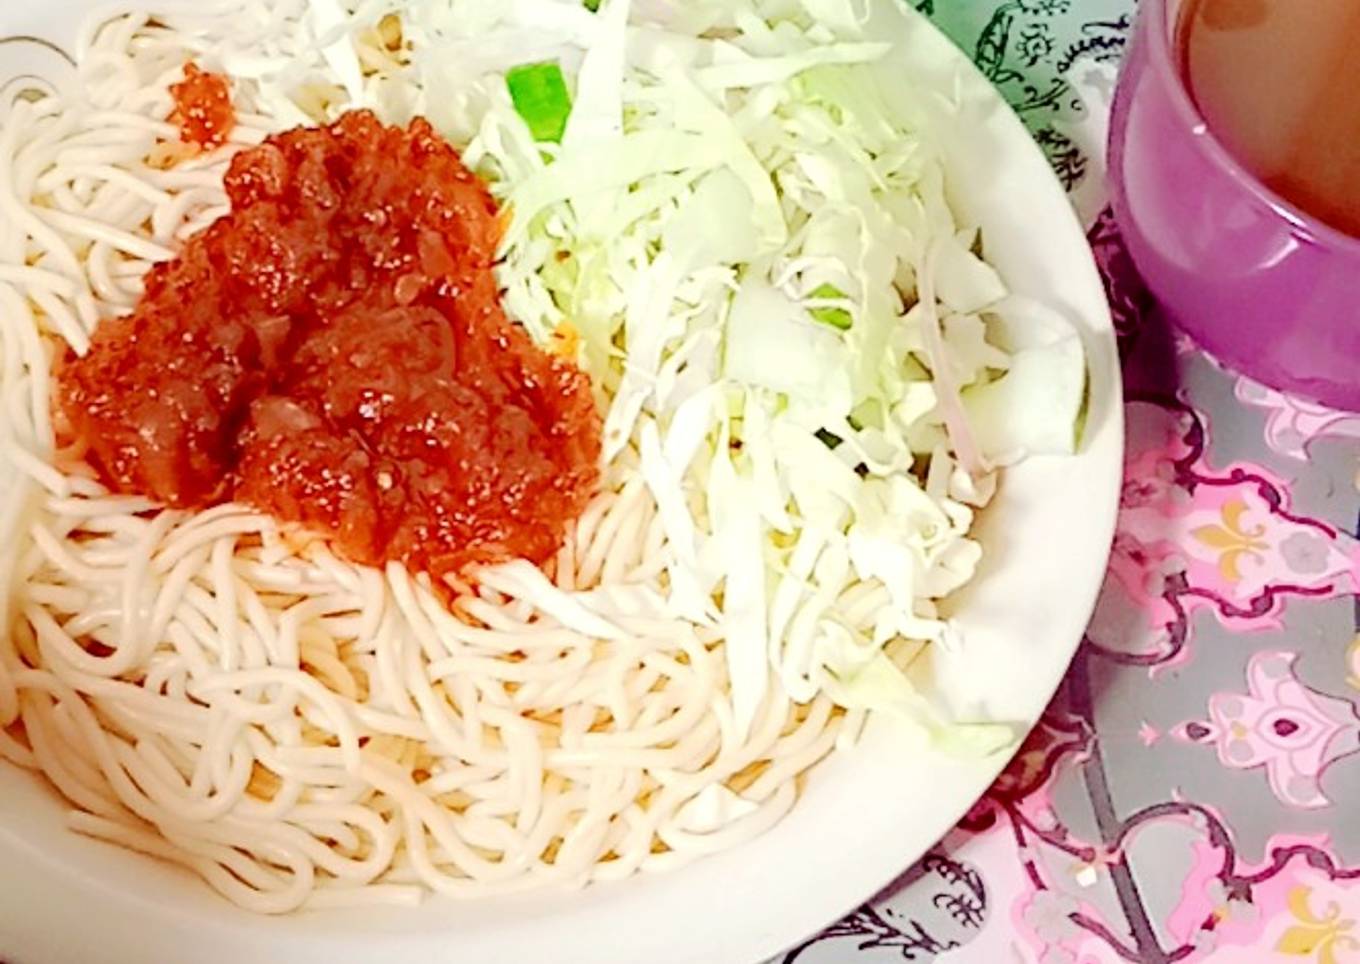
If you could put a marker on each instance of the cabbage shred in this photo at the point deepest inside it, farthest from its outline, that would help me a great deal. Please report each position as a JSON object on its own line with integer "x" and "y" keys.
{"x": 799, "y": 350}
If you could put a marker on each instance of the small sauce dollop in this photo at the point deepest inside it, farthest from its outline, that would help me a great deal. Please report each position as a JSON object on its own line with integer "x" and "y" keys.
{"x": 334, "y": 352}
{"x": 203, "y": 111}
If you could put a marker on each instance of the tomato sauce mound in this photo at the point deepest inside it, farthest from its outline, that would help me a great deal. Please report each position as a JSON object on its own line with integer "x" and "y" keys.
{"x": 203, "y": 111}
{"x": 334, "y": 353}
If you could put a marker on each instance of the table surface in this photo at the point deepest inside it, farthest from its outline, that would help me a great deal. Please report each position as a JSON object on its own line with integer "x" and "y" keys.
{"x": 1191, "y": 793}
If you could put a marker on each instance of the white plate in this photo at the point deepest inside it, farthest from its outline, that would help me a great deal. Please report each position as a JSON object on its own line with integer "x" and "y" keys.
{"x": 865, "y": 816}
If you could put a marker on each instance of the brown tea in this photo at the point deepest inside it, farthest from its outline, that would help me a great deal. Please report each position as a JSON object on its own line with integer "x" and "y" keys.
{"x": 1279, "y": 83}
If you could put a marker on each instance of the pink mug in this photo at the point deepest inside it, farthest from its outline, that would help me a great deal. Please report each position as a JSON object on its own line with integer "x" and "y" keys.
{"x": 1263, "y": 286}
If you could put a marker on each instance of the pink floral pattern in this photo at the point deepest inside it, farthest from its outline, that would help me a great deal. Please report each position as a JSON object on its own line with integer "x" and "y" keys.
{"x": 1291, "y": 731}
{"x": 1194, "y": 538}
{"x": 1294, "y": 424}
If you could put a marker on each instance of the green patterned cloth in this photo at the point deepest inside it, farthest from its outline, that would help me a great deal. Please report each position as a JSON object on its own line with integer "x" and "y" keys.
{"x": 1055, "y": 61}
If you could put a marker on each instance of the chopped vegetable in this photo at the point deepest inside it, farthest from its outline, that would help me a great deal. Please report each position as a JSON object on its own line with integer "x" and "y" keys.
{"x": 1034, "y": 409}
{"x": 771, "y": 345}
{"x": 837, "y": 318}
{"x": 881, "y": 686}
{"x": 801, "y": 353}
{"x": 540, "y": 96}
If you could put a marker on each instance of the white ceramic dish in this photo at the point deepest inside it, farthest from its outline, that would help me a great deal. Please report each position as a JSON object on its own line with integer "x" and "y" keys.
{"x": 865, "y": 815}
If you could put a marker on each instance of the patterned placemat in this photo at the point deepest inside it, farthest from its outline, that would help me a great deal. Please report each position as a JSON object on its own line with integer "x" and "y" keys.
{"x": 1188, "y": 795}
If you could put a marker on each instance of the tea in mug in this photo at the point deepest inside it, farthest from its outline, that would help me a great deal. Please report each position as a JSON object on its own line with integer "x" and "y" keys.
{"x": 1278, "y": 82}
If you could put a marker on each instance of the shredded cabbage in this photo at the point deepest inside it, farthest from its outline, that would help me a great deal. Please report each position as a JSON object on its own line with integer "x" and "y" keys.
{"x": 803, "y": 356}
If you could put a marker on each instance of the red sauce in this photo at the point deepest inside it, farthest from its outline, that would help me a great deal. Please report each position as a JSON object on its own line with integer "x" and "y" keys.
{"x": 203, "y": 110}
{"x": 334, "y": 352}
